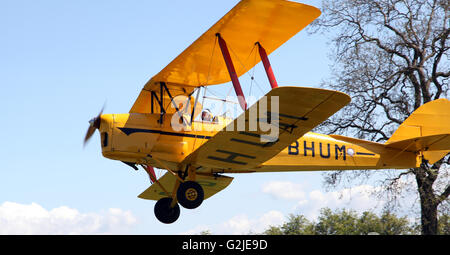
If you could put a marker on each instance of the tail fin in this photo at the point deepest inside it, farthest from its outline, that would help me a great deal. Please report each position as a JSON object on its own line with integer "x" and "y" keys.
{"x": 426, "y": 130}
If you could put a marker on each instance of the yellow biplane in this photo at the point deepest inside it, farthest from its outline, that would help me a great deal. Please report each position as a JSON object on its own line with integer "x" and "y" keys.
{"x": 166, "y": 127}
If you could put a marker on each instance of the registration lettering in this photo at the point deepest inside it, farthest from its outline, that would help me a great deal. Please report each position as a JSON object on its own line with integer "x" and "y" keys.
{"x": 309, "y": 149}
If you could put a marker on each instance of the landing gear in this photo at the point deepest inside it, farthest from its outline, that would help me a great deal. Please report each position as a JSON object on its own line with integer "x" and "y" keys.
{"x": 164, "y": 211}
{"x": 190, "y": 194}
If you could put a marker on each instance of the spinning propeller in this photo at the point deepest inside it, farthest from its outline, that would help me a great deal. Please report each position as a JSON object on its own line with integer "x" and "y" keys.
{"x": 94, "y": 124}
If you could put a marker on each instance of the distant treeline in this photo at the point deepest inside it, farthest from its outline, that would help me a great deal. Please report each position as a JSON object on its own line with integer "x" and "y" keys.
{"x": 349, "y": 222}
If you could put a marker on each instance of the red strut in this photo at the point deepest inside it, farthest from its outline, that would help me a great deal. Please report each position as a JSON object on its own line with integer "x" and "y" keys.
{"x": 267, "y": 66}
{"x": 232, "y": 72}
{"x": 151, "y": 173}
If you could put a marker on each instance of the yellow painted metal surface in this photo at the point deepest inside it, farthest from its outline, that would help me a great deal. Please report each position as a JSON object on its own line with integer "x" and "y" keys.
{"x": 423, "y": 143}
{"x": 140, "y": 138}
{"x": 323, "y": 152}
{"x": 210, "y": 184}
{"x": 269, "y": 22}
{"x": 144, "y": 136}
{"x": 432, "y": 118}
{"x": 241, "y": 145}
{"x": 427, "y": 130}
{"x": 434, "y": 156}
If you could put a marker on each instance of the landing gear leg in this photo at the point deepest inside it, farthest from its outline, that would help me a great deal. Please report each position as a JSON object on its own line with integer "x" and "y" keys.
{"x": 187, "y": 193}
{"x": 190, "y": 194}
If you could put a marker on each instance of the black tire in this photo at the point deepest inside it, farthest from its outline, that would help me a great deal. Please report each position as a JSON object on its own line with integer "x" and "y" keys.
{"x": 190, "y": 194}
{"x": 164, "y": 212}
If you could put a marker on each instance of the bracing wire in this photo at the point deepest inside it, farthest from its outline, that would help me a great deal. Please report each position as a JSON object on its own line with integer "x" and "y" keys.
{"x": 211, "y": 61}
{"x": 253, "y": 72}
{"x": 243, "y": 66}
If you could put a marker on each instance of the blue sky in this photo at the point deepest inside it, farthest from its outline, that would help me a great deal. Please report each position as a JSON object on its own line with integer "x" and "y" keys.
{"x": 60, "y": 61}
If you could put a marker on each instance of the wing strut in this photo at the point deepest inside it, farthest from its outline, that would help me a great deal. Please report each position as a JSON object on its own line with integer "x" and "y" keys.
{"x": 267, "y": 66}
{"x": 232, "y": 72}
{"x": 151, "y": 173}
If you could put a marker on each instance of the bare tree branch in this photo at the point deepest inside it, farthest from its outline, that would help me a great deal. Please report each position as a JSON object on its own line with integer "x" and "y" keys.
{"x": 391, "y": 56}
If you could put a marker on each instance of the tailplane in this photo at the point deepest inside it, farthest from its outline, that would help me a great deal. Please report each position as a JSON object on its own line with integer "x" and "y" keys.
{"x": 426, "y": 130}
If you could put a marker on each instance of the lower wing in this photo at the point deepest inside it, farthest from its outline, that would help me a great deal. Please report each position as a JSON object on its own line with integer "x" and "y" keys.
{"x": 267, "y": 127}
{"x": 211, "y": 184}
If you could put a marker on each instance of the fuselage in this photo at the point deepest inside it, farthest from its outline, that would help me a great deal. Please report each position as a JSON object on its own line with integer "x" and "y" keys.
{"x": 139, "y": 138}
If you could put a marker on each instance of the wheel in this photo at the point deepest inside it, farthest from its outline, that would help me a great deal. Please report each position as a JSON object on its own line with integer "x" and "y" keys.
{"x": 190, "y": 194}
{"x": 164, "y": 212}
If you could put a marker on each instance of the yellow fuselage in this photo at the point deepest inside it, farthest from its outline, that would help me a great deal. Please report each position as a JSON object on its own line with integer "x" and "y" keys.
{"x": 137, "y": 138}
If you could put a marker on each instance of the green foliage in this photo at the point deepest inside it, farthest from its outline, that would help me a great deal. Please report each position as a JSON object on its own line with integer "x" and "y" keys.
{"x": 346, "y": 222}
{"x": 444, "y": 225}
{"x": 205, "y": 232}
{"x": 341, "y": 223}
{"x": 391, "y": 225}
{"x": 349, "y": 222}
{"x": 297, "y": 225}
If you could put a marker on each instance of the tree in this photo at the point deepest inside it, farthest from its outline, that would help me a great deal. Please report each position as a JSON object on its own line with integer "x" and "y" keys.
{"x": 205, "y": 232}
{"x": 444, "y": 224}
{"x": 347, "y": 222}
{"x": 391, "y": 56}
{"x": 343, "y": 222}
{"x": 295, "y": 225}
{"x": 392, "y": 225}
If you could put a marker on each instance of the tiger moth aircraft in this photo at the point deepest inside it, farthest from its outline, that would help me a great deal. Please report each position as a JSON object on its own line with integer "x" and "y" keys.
{"x": 164, "y": 128}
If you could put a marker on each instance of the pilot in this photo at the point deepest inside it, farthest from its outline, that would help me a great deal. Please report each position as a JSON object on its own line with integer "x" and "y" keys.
{"x": 206, "y": 115}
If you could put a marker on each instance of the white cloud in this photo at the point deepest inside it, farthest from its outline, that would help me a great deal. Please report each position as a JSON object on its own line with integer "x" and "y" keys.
{"x": 304, "y": 201}
{"x": 309, "y": 203}
{"x": 33, "y": 219}
{"x": 357, "y": 198}
{"x": 284, "y": 190}
{"x": 242, "y": 224}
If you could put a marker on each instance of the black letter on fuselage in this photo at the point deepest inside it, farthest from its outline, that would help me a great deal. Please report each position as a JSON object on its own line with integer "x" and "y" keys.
{"x": 305, "y": 148}
{"x": 321, "y": 154}
{"x": 340, "y": 149}
{"x": 293, "y": 147}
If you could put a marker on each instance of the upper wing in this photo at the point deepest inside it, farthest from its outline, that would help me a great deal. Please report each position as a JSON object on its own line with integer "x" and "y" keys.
{"x": 269, "y": 22}
{"x": 241, "y": 145}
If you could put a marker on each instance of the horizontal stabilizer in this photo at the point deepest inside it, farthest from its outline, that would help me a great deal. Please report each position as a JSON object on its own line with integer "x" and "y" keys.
{"x": 426, "y": 130}
{"x": 423, "y": 143}
{"x": 432, "y": 118}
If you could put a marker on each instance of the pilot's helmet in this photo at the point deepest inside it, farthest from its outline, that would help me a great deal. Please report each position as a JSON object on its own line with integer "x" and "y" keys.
{"x": 206, "y": 115}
